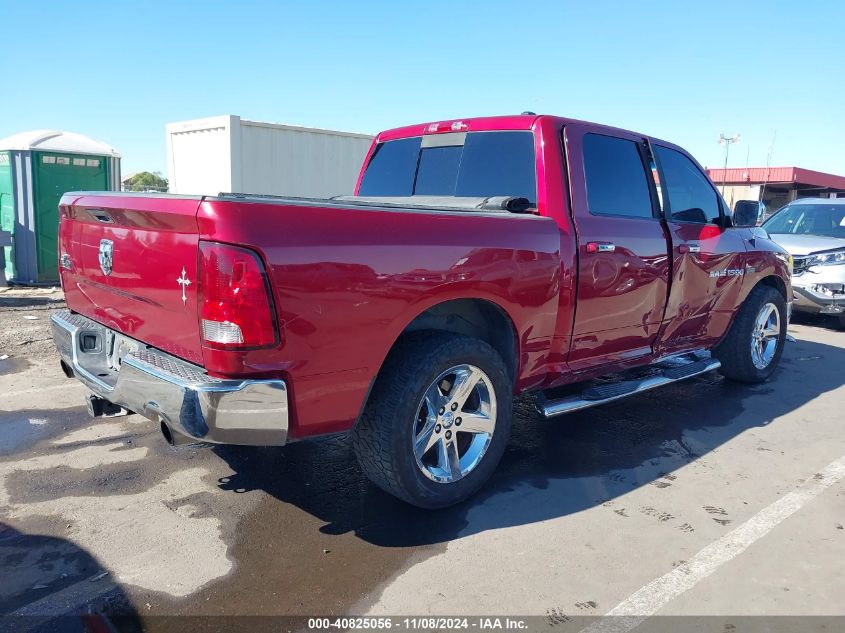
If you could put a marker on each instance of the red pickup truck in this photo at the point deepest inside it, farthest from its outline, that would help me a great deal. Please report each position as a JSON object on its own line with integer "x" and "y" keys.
{"x": 478, "y": 259}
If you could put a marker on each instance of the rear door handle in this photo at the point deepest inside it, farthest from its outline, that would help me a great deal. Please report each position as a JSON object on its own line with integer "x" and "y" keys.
{"x": 600, "y": 247}
{"x": 689, "y": 248}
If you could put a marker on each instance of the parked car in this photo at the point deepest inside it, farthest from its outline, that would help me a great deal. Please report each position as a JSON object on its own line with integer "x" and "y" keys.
{"x": 813, "y": 231}
{"x": 479, "y": 259}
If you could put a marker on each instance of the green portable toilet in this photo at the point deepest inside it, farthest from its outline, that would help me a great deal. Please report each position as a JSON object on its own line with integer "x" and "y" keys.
{"x": 36, "y": 168}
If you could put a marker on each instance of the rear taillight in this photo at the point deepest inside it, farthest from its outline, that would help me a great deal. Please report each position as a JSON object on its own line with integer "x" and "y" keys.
{"x": 236, "y": 310}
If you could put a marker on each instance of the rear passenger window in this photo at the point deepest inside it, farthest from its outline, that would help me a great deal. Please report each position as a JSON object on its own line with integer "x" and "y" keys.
{"x": 691, "y": 196}
{"x": 391, "y": 169}
{"x": 616, "y": 177}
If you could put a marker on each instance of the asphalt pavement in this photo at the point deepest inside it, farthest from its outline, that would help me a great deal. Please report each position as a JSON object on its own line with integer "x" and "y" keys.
{"x": 702, "y": 498}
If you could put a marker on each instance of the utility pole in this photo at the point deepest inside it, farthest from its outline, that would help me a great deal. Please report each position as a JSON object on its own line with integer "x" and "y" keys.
{"x": 726, "y": 141}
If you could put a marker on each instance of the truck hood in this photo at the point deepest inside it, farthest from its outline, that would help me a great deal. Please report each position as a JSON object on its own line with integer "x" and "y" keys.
{"x": 806, "y": 244}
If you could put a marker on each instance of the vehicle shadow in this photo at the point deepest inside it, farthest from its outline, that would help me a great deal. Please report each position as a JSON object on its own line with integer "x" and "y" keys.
{"x": 826, "y": 321}
{"x": 51, "y": 584}
{"x": 551, "y": 468}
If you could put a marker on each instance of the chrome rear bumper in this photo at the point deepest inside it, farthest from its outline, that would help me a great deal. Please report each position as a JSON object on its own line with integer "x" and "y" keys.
{"x": 168, "y": 390}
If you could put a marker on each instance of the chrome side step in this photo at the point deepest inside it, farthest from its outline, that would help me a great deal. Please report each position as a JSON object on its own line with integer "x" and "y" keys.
{"x": 593, "y": 396}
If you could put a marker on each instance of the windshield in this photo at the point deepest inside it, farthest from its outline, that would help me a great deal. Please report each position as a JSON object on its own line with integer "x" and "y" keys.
{"x": 475, "y": 164}
{"x": 809, "y": 219}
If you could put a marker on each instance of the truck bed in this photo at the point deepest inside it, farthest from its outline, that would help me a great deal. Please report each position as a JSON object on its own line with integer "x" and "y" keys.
{"x": 345, "y": 276}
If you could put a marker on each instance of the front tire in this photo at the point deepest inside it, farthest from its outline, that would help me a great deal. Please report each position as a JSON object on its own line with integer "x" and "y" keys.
{"x": 754, "y": 344}
{"x": 437, "y": 421}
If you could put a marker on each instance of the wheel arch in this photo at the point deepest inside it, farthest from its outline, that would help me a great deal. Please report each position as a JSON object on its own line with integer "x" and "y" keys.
{"x": 773, "y": 281}
{"x": 473, "y": 317}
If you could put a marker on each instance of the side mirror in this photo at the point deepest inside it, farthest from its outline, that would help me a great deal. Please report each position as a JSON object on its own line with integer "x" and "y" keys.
{"x": 746, "y": 213}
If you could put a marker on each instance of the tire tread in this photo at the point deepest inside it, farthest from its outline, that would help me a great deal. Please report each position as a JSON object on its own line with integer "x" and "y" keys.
{"x": 734, "y": 350}
{"x": 374, "y": 437}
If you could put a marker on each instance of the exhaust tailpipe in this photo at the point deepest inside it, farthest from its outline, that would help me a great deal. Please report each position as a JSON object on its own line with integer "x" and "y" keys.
{"x": 167, "y": 434}
{"x": 101, "y": 408}
{"x": 175, "y": 438}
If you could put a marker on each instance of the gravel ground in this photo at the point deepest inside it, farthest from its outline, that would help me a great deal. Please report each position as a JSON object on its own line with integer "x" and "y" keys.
{"x": 23, "y": 329}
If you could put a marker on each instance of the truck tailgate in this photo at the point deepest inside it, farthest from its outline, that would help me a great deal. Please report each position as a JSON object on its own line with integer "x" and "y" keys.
{"x": 130, "y": 263}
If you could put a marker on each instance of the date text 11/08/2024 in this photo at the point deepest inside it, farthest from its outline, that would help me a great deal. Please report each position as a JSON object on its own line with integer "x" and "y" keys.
{"x": 418, "y": 623}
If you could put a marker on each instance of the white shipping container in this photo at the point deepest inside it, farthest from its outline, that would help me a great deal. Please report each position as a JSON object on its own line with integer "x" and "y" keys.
{"x": 229, "y": 154}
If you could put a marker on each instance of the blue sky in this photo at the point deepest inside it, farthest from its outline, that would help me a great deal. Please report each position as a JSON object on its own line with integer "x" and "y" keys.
{"x": 119, "y": 71}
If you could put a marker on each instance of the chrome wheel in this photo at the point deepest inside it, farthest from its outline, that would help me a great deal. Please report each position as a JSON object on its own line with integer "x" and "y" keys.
{"x": 765, "y": 336}
{"x": 455, "y": 422}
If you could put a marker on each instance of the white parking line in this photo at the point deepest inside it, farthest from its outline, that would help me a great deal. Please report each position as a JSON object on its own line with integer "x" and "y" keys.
{"x": 656, "y": 594}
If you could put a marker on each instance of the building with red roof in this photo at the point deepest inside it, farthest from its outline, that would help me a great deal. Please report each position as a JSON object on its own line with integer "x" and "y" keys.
{"x": 775, "y": 186}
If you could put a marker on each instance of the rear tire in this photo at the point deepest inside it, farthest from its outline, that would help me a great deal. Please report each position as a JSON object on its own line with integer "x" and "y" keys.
{"x": 842, "y": 321}
{"x": 423, "y": 434}
{"x": 754, "y": 344}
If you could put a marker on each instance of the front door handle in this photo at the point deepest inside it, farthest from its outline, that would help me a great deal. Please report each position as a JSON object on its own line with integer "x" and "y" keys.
{"x": 689, "y": 248}
{"x": 600, "y": 247}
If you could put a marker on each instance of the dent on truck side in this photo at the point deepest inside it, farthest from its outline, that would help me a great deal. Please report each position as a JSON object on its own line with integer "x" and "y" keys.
{"x": 763, "y": 263}
{"x": 345, "y": 295}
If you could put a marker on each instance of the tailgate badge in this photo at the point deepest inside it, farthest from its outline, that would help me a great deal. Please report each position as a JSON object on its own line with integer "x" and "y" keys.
{"x": 106, "y": 256}
{"x": 184, "y": 282}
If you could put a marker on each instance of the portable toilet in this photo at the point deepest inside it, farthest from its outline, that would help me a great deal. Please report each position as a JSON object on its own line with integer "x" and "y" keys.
{"x": 36, "y": 168}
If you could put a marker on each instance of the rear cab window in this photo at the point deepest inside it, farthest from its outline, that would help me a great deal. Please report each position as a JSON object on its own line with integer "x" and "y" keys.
{"x": 463, "y": 164}
{"x": 392, "y": 168}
